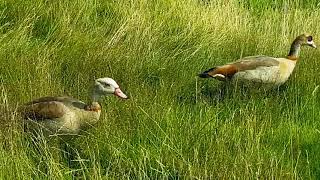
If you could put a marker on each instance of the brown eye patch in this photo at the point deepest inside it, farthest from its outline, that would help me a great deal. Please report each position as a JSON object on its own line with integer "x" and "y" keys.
{"x": 309, "y": 38}
{"x": 104, "y": 83}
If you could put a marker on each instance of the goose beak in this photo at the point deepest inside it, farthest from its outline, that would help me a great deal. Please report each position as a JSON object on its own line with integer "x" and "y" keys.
{"x": 120, "y": 94}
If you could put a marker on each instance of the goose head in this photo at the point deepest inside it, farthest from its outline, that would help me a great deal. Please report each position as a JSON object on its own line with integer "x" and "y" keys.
{"x": 107, "y": 86}
{"x": 306, "y": 39}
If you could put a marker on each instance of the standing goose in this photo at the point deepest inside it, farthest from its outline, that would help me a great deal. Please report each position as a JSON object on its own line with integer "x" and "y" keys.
{"x": 261, "y": 70}
{"x": 65, "y": 115}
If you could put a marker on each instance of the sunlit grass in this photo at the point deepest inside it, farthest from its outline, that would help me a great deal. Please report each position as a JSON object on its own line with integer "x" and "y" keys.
{"x": 174, "y": 125}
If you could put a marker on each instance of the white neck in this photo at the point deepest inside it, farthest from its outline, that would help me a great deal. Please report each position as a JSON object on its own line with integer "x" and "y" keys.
{"x": 95, "y": 97}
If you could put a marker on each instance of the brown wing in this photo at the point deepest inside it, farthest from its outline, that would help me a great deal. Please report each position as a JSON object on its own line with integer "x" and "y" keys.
{"x": 248, "y": 63}
{"x": 49, "y": 99}
{"x": 68, "y": 101}
{"x": 253, "y": 62}
{"x": 45, "y": 108}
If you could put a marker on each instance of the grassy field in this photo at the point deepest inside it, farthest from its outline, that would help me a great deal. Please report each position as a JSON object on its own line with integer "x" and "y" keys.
{"x": 174, "y": 125}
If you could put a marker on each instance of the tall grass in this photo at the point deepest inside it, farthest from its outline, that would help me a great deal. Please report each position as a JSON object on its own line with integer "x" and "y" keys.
{"x": 174, "y": 125}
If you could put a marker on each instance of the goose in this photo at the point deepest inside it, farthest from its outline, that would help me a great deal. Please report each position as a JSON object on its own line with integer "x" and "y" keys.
{"x": 65, "y": 115}
{"x": 261, "y": 70}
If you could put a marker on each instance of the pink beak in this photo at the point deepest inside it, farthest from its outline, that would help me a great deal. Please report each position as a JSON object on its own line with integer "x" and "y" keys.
{"x": 120, "y": 94}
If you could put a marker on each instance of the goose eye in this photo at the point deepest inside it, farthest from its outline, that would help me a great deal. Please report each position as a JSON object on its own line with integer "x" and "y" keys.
{"x": 309, "y": 38}
{"x": 106, "y": 85}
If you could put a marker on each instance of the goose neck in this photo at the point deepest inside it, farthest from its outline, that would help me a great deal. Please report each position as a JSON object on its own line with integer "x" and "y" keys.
{"x": 294, "y": 50}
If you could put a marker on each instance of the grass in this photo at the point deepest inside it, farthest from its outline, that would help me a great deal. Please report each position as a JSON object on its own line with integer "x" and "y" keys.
{"x": 174, "y": 125}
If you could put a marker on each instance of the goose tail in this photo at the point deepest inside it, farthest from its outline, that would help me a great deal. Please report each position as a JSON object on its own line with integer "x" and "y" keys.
{"x": 206, "y": 74}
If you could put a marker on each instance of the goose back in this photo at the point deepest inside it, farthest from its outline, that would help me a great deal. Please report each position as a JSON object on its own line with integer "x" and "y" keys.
{"x": 59, "y": 114}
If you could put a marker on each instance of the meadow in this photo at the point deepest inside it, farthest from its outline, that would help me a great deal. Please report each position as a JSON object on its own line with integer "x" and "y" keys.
{"x": 174, "y": 125}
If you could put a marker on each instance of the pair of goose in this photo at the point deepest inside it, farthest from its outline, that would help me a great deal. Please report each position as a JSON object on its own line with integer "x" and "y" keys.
{"x": 65, "y": 115}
